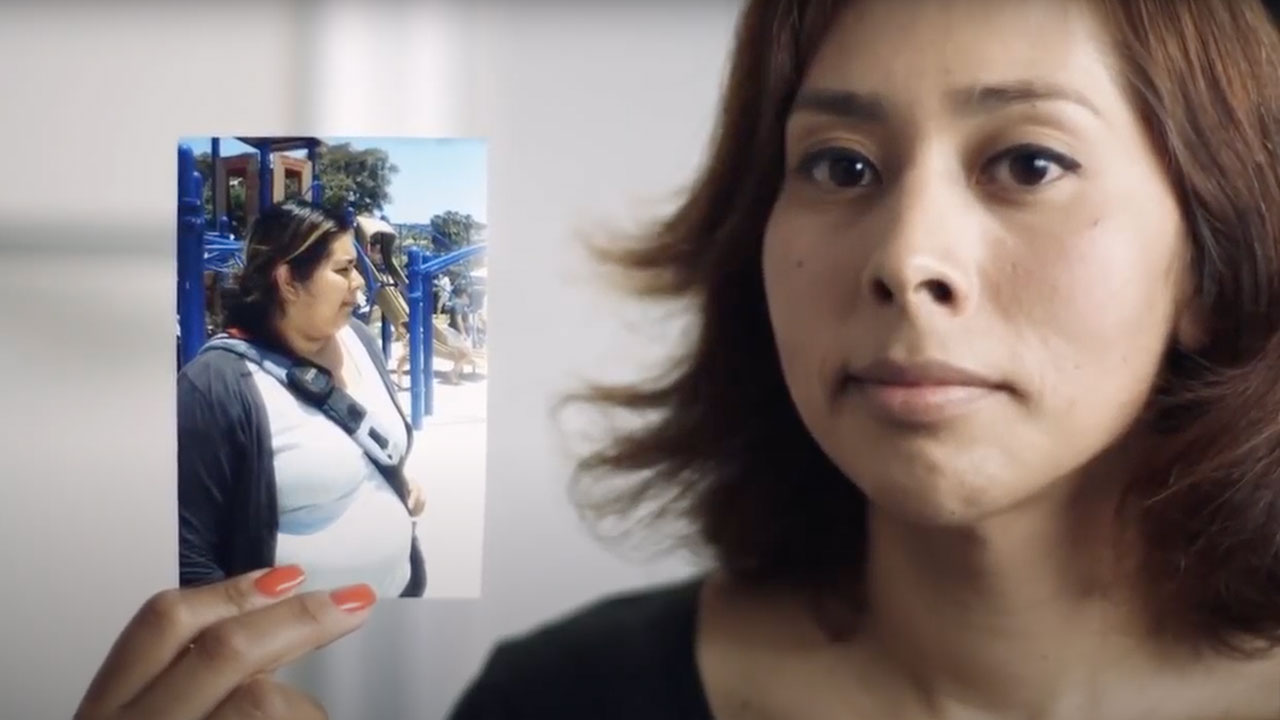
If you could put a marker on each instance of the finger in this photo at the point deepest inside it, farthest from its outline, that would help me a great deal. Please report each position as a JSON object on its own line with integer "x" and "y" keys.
{"x": 226, "y": 655}
{"x": 167, "y": 623}
{"x": 262, "y": 697}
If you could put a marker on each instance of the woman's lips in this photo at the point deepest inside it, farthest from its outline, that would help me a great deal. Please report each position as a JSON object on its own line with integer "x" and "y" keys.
{"x": 923, "y": 392}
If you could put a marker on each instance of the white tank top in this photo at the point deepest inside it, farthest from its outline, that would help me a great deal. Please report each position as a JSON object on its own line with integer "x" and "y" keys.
{"x": 339, "y": 519}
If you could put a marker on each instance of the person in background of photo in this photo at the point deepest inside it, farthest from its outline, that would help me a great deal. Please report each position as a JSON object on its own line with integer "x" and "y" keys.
{"x": 479, "y": 319}
{"x": 266, "y": 479}
{"x": 458, "y": 308}
{"x": 981, "y": 415}
{"x": 443, "y": 288}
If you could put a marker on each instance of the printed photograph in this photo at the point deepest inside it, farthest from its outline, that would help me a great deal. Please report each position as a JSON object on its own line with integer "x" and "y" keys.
{"x": 331, "y": 361}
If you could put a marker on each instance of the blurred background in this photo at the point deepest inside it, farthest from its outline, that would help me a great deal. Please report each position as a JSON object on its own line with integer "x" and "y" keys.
{"x": 596, "y": 115}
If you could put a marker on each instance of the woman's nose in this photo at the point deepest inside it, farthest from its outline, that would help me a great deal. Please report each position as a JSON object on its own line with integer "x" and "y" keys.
{"x": 915, "y": 278}
{"x": 927, "y": 251}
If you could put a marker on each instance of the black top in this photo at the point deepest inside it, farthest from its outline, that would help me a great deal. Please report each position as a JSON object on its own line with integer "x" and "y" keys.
{"x": 628, "y": 657}
{"x": 227, "y": 512}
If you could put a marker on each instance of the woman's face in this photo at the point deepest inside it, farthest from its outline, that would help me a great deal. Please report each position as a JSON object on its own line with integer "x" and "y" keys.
{"x": 323, "y": 304}
{"x": 975, "y": 263}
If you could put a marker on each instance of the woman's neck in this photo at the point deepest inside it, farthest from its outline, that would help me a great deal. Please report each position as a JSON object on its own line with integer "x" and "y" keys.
{"x": 1038, "y": 613}
{"x": 320, "y": 349}
{"x": 1031, "y": 613}
{"x": 1007, "y": 616}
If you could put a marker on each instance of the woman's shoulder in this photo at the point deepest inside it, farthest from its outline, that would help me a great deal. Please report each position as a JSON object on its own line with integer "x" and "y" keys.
{"x": 629, "y": 654}
{"x": 365, "y": 335}
{"x": 215, "y": 377}
{"x": 368, "y": 341}
{"x": 640, "y": 616}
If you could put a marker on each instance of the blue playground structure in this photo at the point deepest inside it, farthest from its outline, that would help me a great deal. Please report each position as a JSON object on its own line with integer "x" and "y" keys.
{"x": 202, "y": 249}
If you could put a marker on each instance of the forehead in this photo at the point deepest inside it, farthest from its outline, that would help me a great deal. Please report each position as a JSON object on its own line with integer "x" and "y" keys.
{"x": 343, "y": 246}
{"x": 919, "y": 52}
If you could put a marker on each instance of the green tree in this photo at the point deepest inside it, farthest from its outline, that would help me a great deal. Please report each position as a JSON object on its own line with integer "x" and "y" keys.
{"x": 360, "y": 179}
{"x": 452, "y": 230}
{"x": 413, "y": 239}
{"x": 414, "y": 236}
{"x": 235, "y": 207}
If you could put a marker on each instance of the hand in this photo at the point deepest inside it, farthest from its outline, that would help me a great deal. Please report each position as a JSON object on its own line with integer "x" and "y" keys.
{"x": 207, "y": 653}
{"x": 417, "y": 499}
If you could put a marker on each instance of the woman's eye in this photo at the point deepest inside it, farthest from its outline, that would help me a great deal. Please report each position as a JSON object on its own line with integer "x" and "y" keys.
{"x": 840, "y": 168}
{"x": 1030, "y": 166}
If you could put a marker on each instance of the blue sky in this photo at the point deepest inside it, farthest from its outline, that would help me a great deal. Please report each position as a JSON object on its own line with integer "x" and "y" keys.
{"x": 435, "y": 174}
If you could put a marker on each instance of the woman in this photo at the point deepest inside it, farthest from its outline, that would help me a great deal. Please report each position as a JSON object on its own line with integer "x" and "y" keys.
{"x": 981, "y": 420}
{"x": 264, "y": 477}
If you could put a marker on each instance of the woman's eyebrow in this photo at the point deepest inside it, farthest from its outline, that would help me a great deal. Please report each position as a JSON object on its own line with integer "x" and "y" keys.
{"x": 872, "y": 109}
{"x": 997, "y": 96}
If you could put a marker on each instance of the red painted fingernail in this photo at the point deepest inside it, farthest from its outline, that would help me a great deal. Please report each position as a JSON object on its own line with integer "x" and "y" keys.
{"x": 353, "y": 598}
{"x": 279, "y": 581}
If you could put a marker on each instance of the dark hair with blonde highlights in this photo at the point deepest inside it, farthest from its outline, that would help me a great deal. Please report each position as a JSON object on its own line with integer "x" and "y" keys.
{"x": 293, "y": 233}
{"x": 726, "y": 451}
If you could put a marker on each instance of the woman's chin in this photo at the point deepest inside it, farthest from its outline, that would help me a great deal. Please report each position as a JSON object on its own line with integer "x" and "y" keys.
{"x": 929, "y": 494}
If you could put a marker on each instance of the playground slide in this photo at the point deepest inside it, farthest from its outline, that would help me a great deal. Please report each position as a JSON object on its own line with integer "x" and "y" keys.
{"x": 446, "y": 342}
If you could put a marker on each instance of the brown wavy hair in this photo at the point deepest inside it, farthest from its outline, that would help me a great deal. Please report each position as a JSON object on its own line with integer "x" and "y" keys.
{"x": 723, "y": 453}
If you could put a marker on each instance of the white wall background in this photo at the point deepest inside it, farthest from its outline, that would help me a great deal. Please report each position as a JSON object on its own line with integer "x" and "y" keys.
{"x": 593, "y": 111}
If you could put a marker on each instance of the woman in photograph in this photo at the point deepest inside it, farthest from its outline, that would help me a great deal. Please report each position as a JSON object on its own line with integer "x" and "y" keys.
{"x": 982, "y": 418}
{"x": 264, "y": 477}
